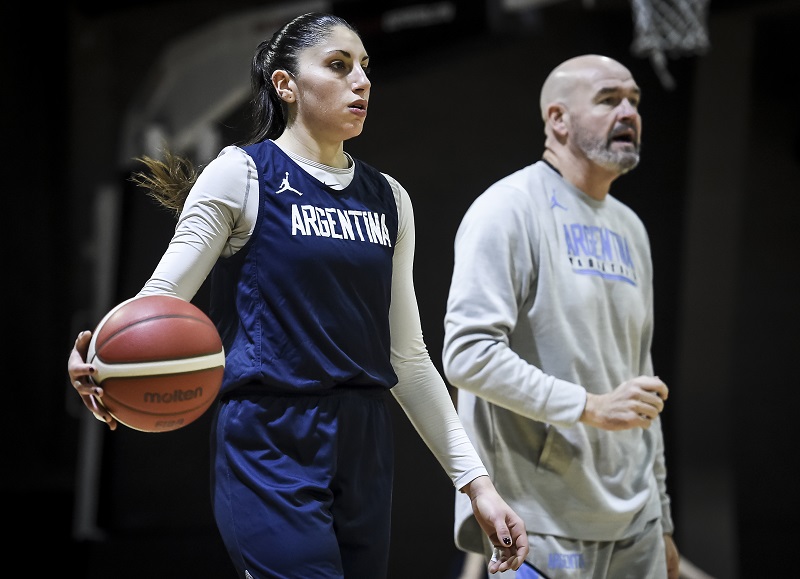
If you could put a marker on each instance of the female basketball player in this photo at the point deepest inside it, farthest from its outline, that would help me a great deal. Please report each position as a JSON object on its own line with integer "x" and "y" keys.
{"x": 312, "y": 293}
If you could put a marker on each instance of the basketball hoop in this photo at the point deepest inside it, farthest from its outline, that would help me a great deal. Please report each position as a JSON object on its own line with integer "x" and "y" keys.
{"x": 669, "y": 27}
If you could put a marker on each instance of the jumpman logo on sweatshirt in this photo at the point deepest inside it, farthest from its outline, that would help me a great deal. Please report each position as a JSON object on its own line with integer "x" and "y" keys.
{"x": 554, "y": 202}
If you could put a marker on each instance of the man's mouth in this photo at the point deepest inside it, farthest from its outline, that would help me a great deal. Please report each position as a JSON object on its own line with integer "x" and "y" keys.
{"x": 625, "y": 135}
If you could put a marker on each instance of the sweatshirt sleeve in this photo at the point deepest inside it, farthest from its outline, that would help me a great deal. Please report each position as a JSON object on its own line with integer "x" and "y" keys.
{"x": 660, "y": 463}
{"x": 660, "y": 472}
{"x": 421, "y": 390}
{"x": 494, "y": 276}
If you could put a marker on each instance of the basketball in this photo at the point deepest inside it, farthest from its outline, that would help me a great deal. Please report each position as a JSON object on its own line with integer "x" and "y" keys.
{"x": 159, "y": 360}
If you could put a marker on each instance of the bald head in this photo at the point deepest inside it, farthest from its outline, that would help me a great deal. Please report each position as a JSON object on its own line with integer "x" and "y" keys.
{"x": 592, "y": 125}
{"x": 576, "y": 73}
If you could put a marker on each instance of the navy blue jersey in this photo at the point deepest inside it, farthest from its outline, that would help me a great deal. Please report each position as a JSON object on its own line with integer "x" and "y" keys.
{"x": 305, "y": 304}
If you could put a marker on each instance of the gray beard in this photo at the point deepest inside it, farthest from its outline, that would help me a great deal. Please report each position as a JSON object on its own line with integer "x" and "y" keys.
{"x": 599, "y": 151}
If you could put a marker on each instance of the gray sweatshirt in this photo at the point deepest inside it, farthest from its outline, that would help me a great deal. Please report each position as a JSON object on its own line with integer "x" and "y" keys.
{"x": 552, "y": 297}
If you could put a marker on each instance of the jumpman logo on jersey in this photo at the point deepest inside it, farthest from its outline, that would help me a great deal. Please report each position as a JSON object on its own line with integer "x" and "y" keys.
{"x": 286, "y": 187}
{"x": 554, "y": 202}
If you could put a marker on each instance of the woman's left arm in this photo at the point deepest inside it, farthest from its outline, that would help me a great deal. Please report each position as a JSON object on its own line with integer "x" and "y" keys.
{"x": 424, "y": 397}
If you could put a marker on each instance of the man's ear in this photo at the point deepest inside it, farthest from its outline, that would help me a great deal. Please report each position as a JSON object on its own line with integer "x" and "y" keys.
{"x": 558, "y": 119}
{"x": 284, "y": 85}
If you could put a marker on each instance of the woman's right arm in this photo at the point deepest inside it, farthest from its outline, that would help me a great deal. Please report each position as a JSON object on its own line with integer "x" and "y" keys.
{"x": 216, "y": 220}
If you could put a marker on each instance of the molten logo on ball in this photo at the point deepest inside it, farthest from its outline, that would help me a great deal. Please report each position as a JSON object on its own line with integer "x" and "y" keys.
{"x": 172, "y": 397}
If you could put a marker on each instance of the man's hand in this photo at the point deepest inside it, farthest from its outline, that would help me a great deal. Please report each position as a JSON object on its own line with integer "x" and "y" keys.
{"x": 632, "y": 404}
{"x": 673, "y": 558}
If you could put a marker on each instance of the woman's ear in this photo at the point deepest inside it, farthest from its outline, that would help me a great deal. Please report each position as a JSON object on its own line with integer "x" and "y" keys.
{"x": 284, "y": 85}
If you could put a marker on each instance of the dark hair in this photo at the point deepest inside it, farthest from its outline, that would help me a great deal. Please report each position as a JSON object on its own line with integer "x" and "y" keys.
{"x": 281, "y": 53}
{"x": 169, "y": 181}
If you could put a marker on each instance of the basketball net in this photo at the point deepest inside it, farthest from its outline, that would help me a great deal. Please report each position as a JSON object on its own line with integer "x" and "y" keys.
{"x": 669, "y": 27}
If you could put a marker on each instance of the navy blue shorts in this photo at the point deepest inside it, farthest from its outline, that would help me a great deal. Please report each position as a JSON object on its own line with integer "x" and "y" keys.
{"x": 302, "y": 484}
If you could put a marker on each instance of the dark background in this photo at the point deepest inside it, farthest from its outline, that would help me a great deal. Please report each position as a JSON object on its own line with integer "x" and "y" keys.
{"x": 451, "y": 111}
